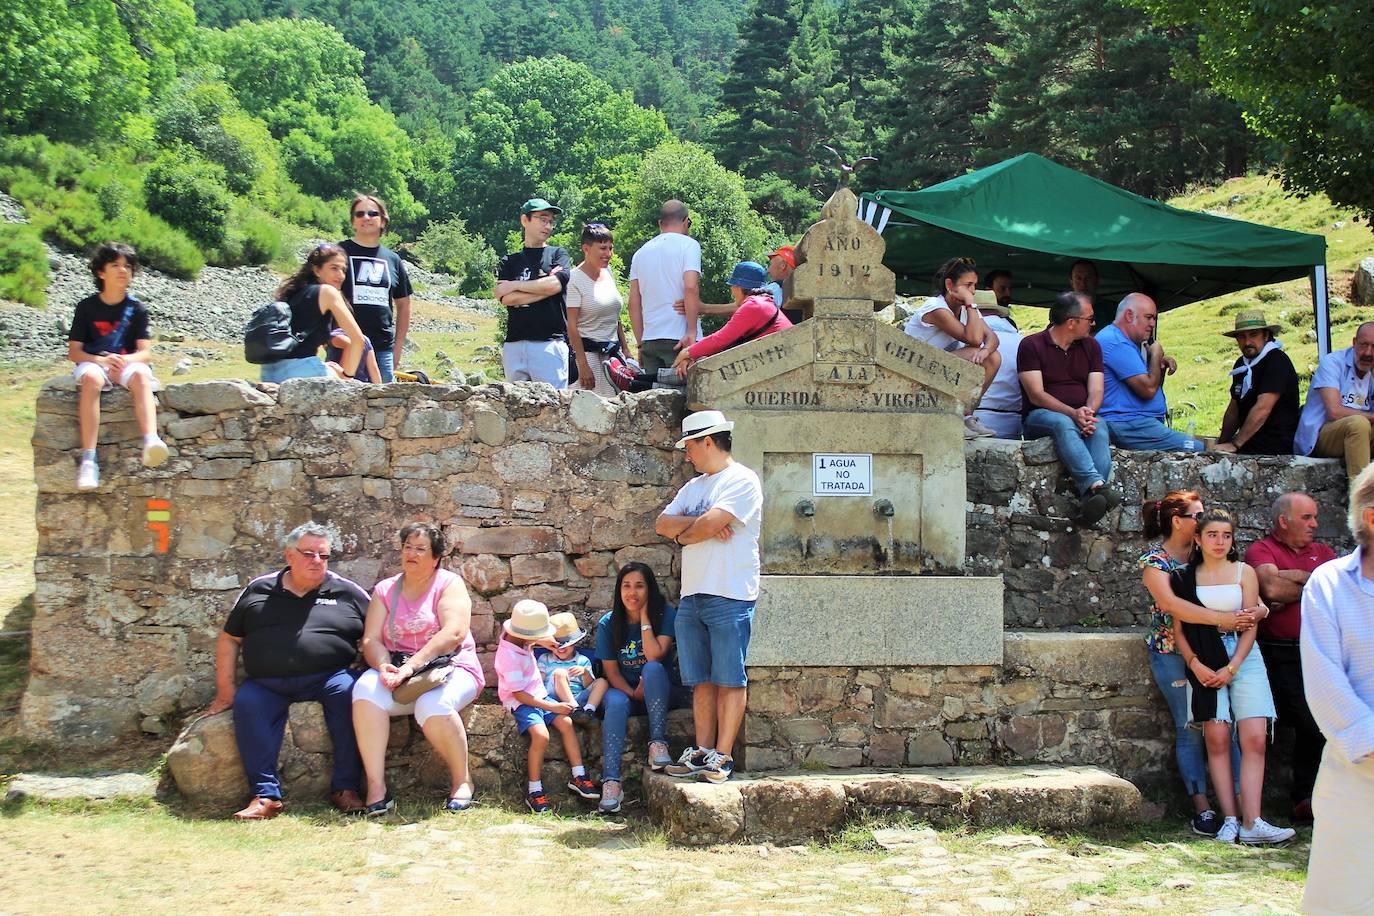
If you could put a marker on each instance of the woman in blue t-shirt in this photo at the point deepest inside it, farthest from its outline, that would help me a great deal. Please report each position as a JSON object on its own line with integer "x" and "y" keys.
{"x": 634, "y": 641}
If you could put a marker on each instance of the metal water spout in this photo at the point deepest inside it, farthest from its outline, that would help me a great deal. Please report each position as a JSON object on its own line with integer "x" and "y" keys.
{"x": 806, "y": 508}
{"x": 884, "y": 508}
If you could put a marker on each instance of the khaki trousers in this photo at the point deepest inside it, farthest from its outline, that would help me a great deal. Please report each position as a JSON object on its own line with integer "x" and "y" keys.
{"x": 1338, "y": 879}
{"x": 1348, "y": 438}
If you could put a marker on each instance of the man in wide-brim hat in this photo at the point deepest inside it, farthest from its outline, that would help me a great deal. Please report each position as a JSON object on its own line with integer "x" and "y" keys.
{"x": 1262, "y": 417}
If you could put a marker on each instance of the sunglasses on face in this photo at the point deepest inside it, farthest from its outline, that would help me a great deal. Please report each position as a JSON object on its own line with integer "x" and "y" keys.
{"x": 359, "y": 214}
{"x": 313, "y": 555}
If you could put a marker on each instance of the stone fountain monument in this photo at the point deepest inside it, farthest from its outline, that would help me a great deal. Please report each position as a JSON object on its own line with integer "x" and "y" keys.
{"x": 856, "y": 430}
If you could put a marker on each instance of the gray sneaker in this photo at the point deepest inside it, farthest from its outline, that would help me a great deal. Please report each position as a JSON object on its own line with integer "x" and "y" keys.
{"x": 658, "y": 755}
{"x": 1230, "y": 829}
{"x": 87, "y": 475}
{"x": 610, "y": 797}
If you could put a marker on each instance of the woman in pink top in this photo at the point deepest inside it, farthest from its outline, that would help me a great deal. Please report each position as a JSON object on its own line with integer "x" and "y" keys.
{"x": 416, "y": 617}
{"x": 755, "y": 315}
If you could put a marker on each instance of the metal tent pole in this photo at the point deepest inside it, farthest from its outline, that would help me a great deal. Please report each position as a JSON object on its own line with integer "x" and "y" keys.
{"x": 1321, "y": 308}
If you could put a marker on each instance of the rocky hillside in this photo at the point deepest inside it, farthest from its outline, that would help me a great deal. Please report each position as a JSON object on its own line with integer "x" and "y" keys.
{"x": 214, "y": 307}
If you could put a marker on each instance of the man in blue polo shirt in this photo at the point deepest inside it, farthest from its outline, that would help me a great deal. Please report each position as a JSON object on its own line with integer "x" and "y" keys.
{"x": 1133, "y": 398}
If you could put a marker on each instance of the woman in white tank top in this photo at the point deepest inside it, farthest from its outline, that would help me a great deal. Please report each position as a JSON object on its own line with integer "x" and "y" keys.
{"x": 1227, "y": 680}
{"x": 948, "y": 321}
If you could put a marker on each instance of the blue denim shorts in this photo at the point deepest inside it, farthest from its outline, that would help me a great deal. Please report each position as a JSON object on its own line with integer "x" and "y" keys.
{"x": 526, "y": 717}
{"x": 283, "y": 369}
{"x": 1248, "y": 695}
{"x": 713, "y": 639}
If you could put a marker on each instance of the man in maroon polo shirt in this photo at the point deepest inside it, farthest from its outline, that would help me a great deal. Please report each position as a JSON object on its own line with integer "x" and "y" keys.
{"x": 1061, "y": 375}
{"x": 1283, "y": 559}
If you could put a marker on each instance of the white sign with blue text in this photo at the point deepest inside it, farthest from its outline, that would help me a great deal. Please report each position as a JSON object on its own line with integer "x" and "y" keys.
{"x": 841, "y": 475}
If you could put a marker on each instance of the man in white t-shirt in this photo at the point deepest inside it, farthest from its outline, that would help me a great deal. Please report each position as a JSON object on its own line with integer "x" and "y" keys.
{"x": 715, "y": 517}
{"x": 665, "y": 269}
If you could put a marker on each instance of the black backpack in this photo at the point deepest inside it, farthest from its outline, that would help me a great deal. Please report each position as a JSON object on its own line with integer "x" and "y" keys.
{"x": 267, "y": 337}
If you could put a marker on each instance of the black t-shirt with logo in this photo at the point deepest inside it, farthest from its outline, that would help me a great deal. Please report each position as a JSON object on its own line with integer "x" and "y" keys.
{"x": 375, "y": 278}
{"x": 287, "y": 636}
{"x": 1272, "y": 375}
{"x": 544, "y": 319}
{"x": 95, "y": 322}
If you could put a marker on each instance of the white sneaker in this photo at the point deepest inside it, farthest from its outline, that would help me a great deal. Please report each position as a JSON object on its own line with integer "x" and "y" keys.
{"x": 973, "y": 425}
{"x": 1230, "y": 829}
{"x": 87, "y": 475}
{"x": 154, "y": 452}
{"x": 1263, "y": 833}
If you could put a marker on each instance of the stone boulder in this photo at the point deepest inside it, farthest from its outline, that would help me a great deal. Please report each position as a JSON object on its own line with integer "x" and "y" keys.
{"x": 204, "y": 763}
{"x": 1362, "y": 284}
{"x": 213, "y": 397}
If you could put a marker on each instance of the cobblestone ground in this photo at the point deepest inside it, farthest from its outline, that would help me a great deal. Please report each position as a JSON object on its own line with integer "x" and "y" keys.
{"x": 492, "y": 860}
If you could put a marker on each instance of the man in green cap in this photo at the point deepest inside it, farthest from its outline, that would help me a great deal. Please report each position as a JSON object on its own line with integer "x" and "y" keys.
{"x": 1262, "y": 417}
{"x": 531, "y": 284}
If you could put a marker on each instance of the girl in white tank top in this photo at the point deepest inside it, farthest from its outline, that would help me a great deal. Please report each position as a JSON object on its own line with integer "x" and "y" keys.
{"x": 1229, "y": 685}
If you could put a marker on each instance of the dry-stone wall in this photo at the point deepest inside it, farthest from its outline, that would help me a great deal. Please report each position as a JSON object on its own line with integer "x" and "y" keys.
{"x": 544, "y": 494}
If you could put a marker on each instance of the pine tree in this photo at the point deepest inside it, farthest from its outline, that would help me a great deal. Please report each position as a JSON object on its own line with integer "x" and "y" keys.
{"x": 1090, "y": 84}
{"x": 869, "y": 31}
{"x": 777, "y": 116}
{"x": 941, "y": 80}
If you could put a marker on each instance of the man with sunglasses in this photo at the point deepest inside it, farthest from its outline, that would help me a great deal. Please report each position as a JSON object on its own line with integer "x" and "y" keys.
{"x": 377, "y": 286}
{"x": 297, "y": 631}
{"x": 532, "y": 284}
{"x": 1283, "y": 561}
{"x": 1061, "y": 375}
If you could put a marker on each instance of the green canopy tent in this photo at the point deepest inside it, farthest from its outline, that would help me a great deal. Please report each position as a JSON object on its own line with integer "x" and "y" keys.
{"x": 1035, "y": 218}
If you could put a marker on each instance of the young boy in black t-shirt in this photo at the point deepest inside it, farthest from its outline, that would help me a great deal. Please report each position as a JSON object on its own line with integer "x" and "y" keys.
{"x": 109, "y": 343}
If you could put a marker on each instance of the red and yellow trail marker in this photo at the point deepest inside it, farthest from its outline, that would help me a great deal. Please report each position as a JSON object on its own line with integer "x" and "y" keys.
{"x": 160, "y": 521}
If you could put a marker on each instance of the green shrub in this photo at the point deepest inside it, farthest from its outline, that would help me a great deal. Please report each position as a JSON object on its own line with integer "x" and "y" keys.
{"x": 113, "y": 199}
{"x": 159, "y": 245}
{"x": 253, "y": 237}
{"x": 448, "y": 247}
{"x": 23, "y": 265}
{"x": 189, "y": 193}
{"x": 69, "y": 219}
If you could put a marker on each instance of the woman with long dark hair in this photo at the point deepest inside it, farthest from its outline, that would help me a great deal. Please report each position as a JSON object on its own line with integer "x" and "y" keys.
{"x": 634, "y": 641}
{"x": 948, "y": 321}
{"x": 312, "y": 293}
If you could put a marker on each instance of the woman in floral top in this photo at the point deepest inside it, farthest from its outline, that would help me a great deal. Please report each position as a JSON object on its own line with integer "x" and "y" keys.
{"x": 1170, "y": 524}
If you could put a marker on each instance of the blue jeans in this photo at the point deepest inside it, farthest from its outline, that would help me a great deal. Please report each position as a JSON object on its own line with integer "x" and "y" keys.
{"x": 1088, "y": 461}
{"x": 1148, "y": 434}
{"x": 261, "y": 706}
{"x": 713, "y": 639}
{"x": 283, "y": 369}
{"x": 660, "y": 695}
{"x": 386, "y": 365}
{"x": 1190, "y": 751}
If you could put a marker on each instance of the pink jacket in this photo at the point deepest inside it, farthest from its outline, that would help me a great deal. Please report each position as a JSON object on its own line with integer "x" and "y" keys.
{"x": 753, "y": 313}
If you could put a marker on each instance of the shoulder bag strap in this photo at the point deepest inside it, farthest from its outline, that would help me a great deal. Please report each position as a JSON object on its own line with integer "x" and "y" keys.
{"x": 777, "y": 310}
{"x": 122, "y": 329}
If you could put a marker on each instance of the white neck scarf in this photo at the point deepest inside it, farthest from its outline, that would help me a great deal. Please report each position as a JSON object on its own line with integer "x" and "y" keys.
{"x": 1246, "y": 367}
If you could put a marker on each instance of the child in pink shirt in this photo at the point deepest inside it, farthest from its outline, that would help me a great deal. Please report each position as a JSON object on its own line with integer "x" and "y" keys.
{"x": 521, "y": 690}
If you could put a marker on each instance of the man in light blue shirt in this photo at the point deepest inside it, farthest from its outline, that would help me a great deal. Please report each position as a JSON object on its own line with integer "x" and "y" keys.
{"x": 1336, "y": 420}
{"x": 1338, "y": 672}
{"x": 1133, "y": 397}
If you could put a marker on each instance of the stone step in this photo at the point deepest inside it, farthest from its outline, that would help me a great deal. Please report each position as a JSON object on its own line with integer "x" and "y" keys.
{"x": 102, "y": 787}
{"x": 797, "y": 806}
